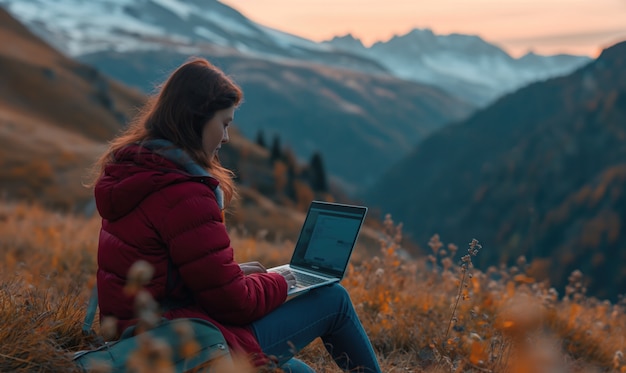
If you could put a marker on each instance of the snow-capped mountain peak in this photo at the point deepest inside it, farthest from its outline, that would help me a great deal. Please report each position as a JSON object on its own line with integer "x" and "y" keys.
{"x": 347, "y": 42}
{"x": 465, "y": 65}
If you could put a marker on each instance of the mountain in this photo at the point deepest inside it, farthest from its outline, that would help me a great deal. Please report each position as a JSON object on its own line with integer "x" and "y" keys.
{"x": 349, "y": 104}
{"x": 360, "y": 119}
{"x": 539, "y": 173}
{"x": 463, "y": 65}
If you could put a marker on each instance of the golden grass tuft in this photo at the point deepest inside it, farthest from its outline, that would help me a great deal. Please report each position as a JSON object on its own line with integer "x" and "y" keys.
{"x": 423, "y": 315}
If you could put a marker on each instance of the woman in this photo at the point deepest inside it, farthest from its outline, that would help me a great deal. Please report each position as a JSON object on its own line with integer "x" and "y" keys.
{"x": 161, "y": 192}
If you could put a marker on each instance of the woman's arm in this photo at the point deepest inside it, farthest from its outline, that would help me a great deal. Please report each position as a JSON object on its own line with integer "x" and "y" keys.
{"x": 249, "y": 268}
{"x": 199, "y": 246}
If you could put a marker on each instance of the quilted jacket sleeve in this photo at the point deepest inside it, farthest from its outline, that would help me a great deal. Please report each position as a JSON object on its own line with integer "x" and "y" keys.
{"x": 199, "y": 246}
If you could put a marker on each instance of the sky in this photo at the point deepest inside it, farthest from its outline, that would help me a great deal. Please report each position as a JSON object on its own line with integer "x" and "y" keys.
{"x": 582, "y": 27}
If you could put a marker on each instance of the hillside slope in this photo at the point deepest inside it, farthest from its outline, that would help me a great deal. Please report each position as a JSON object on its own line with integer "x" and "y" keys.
{"x": 55, "y": 115}
{"x": 540, "y": 173}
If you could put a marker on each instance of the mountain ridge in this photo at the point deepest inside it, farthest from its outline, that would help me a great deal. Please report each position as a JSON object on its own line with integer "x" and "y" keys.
{"x": 539, "y": 173}
{"x": 459, "y": 64}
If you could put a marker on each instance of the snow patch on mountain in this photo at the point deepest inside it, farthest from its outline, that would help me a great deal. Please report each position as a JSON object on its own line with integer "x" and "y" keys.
{"x": 182, "y": 10}
{"x": 292, "y": 41}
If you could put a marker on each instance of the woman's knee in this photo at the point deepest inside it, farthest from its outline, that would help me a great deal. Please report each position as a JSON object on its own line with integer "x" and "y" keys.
{"x": 339, "y": 290}
{"x": 335, "y": 292}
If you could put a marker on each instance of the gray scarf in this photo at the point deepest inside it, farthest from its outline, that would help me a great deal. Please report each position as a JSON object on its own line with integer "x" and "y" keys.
{"x": 169, "y": 151}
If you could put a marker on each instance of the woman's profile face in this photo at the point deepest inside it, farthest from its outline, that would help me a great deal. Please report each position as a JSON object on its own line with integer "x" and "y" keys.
{"x": 215, "y": 131}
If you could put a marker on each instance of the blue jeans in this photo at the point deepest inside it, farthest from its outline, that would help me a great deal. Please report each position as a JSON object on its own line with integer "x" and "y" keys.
{"x": 325, "y": 312}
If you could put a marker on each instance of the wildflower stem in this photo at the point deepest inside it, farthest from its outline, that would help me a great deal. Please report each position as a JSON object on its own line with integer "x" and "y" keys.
{"x": 456, "y": 303}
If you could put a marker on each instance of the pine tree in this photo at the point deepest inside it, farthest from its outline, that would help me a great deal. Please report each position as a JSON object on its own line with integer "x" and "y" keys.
{"x": 260, "y": 139}
{"x": 276, "y": 153}
{"x": 318, "y": 173}
{"x": 292, "y": 173}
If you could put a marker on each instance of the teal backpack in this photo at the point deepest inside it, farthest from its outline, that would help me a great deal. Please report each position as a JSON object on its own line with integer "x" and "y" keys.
{"x": 208, "y": 346}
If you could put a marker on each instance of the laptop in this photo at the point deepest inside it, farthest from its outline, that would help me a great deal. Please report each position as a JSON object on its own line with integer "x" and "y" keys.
{"x": 324, "y": 246}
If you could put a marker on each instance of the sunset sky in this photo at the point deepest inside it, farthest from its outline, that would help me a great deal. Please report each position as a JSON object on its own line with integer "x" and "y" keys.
{"x": 543, "y": 26}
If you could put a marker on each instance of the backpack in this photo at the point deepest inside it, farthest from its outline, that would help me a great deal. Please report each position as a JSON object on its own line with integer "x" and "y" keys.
{"x": 187, "y": 345}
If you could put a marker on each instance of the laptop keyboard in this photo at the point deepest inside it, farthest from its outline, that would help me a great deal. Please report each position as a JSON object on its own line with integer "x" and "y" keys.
{"x": 303, "y": 279}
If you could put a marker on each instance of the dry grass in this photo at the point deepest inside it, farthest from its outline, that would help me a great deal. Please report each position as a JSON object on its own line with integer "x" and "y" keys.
{"x": 433, "y": 315}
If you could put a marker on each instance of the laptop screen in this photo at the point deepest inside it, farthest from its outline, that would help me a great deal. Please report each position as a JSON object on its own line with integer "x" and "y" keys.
{"x": 328, "y": 237}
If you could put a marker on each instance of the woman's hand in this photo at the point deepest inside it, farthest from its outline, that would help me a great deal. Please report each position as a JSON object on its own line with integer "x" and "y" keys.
{"x": 249, "y": 268}
{"x": 290, "y": 278}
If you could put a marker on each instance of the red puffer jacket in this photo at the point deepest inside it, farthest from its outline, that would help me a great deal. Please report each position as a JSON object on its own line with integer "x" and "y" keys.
{"x": 153, "y": 210}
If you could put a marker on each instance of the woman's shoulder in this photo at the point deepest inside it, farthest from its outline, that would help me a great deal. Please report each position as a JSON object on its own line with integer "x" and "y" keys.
{"x": 189, "y": 197}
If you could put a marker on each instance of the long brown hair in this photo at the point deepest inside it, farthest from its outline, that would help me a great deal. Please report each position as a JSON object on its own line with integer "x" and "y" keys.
{"x": 186, "y": 101}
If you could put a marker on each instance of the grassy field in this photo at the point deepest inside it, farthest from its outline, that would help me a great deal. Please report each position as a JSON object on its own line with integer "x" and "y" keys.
{"x": 435, "y": 314}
